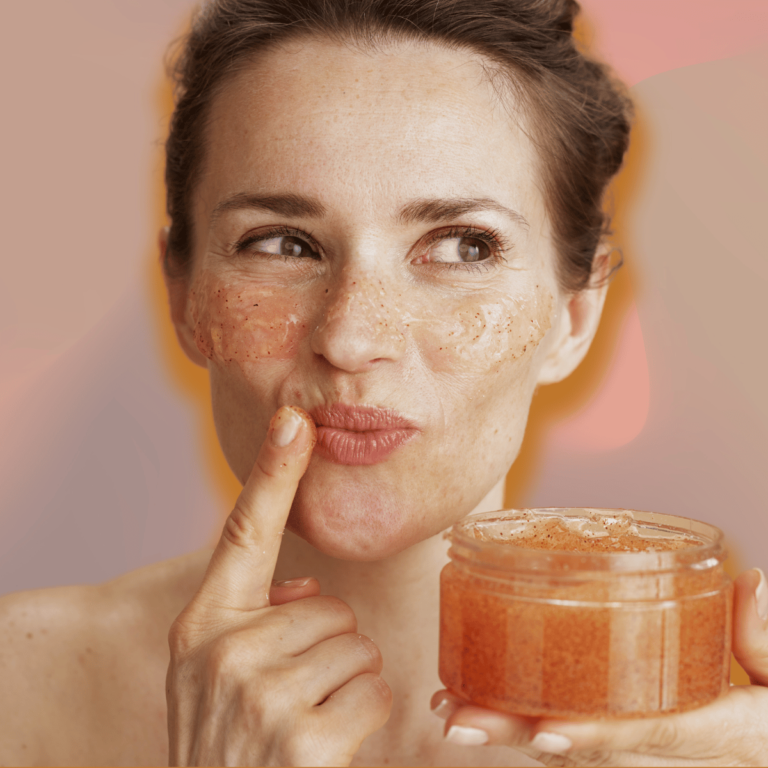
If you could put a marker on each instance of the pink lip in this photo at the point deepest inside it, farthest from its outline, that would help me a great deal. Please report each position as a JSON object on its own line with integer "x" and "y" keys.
{"x": 359, "y": 434}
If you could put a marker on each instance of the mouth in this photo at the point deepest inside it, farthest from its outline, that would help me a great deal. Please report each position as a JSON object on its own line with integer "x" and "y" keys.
{"x": 358, "y": 435}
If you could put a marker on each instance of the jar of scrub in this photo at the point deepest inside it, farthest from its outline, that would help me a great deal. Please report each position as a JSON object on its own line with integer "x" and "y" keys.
{"x": 585, "y": 613}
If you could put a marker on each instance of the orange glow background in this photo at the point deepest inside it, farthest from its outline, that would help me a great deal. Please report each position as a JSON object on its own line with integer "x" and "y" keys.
{"x": 108, "y": 458}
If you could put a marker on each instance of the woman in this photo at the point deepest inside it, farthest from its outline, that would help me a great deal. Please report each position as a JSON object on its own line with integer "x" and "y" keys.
{"x": 343, "y": 246}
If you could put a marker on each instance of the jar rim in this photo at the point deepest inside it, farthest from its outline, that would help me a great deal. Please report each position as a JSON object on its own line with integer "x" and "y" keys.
{"x": 505, "y": 555}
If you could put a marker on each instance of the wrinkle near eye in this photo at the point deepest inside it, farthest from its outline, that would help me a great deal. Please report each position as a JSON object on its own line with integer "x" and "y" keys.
{"x": 242, "y": 322}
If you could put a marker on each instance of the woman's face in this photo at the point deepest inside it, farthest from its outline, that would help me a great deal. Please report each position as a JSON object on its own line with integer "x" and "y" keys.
{"x": 369, "y": 231}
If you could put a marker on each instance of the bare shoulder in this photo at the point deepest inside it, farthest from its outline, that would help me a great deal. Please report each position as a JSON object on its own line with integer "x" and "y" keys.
{"x": 83, "y": 667}
{"x": 44, "y": 636}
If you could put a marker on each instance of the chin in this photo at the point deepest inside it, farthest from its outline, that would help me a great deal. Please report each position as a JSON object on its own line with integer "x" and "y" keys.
{"x": 357, "y": 520}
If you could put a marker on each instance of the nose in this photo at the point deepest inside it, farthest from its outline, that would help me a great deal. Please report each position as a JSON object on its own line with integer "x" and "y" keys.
{"x": 361, "y": 325}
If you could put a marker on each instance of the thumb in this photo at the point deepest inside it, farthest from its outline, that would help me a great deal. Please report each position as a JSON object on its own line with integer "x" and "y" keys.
{"x": 750, "y": 624}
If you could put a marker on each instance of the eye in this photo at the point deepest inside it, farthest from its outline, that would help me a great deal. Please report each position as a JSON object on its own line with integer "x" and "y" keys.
{"x": 286, "y": 246}
{"x": 460, "y": 250}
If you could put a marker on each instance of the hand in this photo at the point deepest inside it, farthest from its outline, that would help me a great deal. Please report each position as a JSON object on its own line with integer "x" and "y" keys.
{"x": 733, "y": 730}
{"x": 264, "y": 674}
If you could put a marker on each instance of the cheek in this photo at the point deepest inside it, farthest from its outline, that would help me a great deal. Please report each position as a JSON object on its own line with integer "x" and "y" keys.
{"x": 485, "y": 335}
{"x": 242, "y": 323}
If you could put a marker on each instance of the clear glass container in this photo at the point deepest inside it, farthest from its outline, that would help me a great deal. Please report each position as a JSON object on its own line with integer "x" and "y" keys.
{"x": 635, "y": 624}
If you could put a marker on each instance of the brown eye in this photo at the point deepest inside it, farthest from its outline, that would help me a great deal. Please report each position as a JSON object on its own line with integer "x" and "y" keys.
{"x": 460, "y": 250}
{"x": 473, "y": 250}
{"x": 287, "y": 246}
{"x": 292, "y": 246}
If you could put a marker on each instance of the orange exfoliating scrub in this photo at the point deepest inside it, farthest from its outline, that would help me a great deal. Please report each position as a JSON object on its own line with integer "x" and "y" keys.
{"x": 585, "y": 613}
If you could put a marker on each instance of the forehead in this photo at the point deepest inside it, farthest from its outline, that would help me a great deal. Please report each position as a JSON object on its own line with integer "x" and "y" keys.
{"x": 412, "y": 119}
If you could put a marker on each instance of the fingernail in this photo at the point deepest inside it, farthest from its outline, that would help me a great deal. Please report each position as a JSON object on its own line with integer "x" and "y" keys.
{"x": 551, "y": 742}
{"x": 293, "y": 582}
{"x": 443, "y": 708}
{"x": 465, "y": 736}
{"x": 761, "y": 595}
{"x": 286, "y": 429}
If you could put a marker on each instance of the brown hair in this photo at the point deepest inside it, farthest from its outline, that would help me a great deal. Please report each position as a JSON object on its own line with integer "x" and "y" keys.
{"x": 580, "y": 113}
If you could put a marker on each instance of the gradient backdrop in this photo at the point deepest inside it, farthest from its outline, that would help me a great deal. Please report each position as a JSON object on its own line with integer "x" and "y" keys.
{"x": 108, "y": 459}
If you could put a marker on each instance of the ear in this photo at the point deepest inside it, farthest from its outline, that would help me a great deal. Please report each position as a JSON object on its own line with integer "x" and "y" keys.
{"x": 178, "y": 299}
{"x": 577, "y": 322}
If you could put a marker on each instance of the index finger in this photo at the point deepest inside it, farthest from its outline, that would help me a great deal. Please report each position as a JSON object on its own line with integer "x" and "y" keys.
{"x": 240, "y": 571}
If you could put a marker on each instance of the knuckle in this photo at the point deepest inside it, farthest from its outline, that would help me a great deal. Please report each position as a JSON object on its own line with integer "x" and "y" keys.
{"x": 333, "y": 745}
{"x": 597, "y": 759}
{"x": 181, "y": 638}
{"x": 285, "y": 685}
{"x": 280, "y": 624}
{"x": 238, "y": 529}
{"x": 383, "y": 691}
{"x": 555, "y": 761}
{"x": 370, "y": 649}
{"x": 226, "y": 656}
{"x": 344, "y": 615}
{"x": 264, "y": 468}
{"x": 318, "y": 746}
{"x": 377, "y": 691}
{"x": 750, "y": 656}
{"x": 258, "y": 705}
{"x": 664, "y": 736}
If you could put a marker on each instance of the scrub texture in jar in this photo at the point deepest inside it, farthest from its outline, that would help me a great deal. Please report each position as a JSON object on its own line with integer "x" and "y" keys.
{"x": 585, "y": 613}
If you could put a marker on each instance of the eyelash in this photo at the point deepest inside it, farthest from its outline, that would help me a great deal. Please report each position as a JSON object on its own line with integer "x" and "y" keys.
{"x": 492, "y": 237}
{"x": 242, "y": 245}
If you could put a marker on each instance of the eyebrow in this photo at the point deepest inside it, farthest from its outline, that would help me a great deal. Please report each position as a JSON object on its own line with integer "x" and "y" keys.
{"x": 440, "y": 210}
{"x": 422, "y": 210}
{"x": 293, "y": 206}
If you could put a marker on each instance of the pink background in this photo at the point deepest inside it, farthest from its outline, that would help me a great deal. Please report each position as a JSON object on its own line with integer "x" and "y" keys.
{"x": 108, "y": 459}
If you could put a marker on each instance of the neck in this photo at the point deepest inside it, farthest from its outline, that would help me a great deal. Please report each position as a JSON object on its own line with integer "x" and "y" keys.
{"x": 364, "y": 581}
{"x": 389, "y": 597}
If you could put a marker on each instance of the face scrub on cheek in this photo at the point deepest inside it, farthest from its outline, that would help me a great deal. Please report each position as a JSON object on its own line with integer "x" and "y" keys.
{"x": 585, "y": 613}
{"x": 244, "y": 321}
{"x": 486, "y": 334}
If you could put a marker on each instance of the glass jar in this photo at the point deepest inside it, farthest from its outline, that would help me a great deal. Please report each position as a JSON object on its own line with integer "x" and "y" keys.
{"x": 591, "y": 633}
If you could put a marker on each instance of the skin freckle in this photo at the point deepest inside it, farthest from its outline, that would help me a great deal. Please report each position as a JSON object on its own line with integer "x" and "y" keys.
{"x": 459, "y": 335}
{"x": 226, "y": 331}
